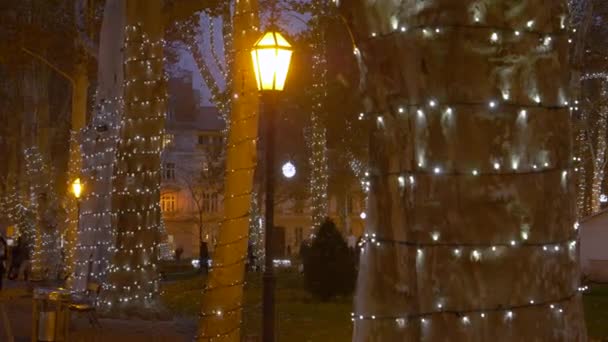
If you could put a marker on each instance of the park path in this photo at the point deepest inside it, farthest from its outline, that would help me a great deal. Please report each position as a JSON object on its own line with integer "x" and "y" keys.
{"x": 19, "y": 312}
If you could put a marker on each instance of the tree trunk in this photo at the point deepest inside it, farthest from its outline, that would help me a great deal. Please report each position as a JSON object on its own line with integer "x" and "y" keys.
{"x": 223, "y": 294}
{"x": 318, "y": 154}
{"x": 96, "y": 232}
{"x": 599, "y": 164}
{"x": 471, "y": 215}
{"x": 133, "y": 284}
{"x": 80, "y": 86}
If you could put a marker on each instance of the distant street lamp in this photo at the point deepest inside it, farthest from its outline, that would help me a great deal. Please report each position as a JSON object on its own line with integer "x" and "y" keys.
{"x": 271, "y": 56}
{"x": 289, "y": 170}
{"x": 77, "y": 188}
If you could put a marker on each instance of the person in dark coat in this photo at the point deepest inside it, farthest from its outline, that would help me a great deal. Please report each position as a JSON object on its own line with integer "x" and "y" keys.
{"x": 3, "y": 256}
{"x": 204, "y": 257}
{"x": 16, "y": 260}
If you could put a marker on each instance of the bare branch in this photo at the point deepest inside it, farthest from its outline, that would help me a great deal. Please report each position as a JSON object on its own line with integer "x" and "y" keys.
{"x": 216, "y": 59}
{"x": 205, "y": 71}
{"x": 49, "y": 64}
{"x": 228, "y": 40}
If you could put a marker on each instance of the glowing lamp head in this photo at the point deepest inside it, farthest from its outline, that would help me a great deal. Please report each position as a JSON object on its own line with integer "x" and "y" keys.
{"x": 289, "y": 170}
{"x": 77, "y": 188}
{"x": 271, "y": 57}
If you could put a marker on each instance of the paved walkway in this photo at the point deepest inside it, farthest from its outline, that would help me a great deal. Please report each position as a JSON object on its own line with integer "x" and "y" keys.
{"x": 20, "y": 316}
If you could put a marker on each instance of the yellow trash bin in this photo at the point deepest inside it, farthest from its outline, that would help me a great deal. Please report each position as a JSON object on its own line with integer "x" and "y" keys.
{"x": 51, "y": 315}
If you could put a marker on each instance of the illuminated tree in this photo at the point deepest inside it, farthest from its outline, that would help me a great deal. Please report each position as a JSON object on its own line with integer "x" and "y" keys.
{"x": 589, "y": 61}
{"x": 223, "y": 294}
{"x": 119, "y": 238}
{"x": 471, "y": 226}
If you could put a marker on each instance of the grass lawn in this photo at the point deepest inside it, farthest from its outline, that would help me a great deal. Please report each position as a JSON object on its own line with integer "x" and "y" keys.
{"x": 596, "y": 311}
{"x": 301, "y": 318}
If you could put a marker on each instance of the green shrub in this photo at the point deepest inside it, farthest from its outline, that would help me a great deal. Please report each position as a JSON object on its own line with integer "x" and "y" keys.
{"x": 329, "y": 267}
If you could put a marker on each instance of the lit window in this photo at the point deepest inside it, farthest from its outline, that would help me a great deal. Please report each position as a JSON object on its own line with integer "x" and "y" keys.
{"x": 167, "y": 140}
{"x": 167, "y": 203}
{"x": 169, "y": 171}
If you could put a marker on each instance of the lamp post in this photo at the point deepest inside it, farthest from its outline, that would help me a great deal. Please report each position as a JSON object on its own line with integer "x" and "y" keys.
{"x": 76, "y": 191}
{"x": 271, "y": 57}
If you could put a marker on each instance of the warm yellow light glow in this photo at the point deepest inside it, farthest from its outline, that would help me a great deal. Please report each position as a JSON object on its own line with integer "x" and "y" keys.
{"x": 271, "y": 57}
{"x": 77, "y": 188}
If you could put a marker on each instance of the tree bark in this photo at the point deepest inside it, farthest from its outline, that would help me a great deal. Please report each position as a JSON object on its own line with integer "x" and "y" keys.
{"x": 599, "y": 163}
{"x": 95, "y": 235}
{"x": 223, "y": 294}
{"x": 471, "y": 211}
{"x": 133, "y": 284}
{"x": 318, "y": 155}
{"x": 80, "y": 84}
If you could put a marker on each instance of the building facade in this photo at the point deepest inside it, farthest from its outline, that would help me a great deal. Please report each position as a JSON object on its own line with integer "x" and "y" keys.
{"x": 192, "y": 177}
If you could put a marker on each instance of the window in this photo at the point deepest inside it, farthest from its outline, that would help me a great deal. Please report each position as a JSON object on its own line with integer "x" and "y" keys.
{"x": 299, "y": 236}
{"x": 211, "y": 141}
{"x": 210, "y": 202}
{"x": 167, "y": 140}
{"x": 169, "y": 171}
{"x": 167, "y": 203}
{"x": 350, "y": 205}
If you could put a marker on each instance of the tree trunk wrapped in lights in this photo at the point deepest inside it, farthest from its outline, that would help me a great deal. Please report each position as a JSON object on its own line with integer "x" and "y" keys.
{"x": 596, "y": 140}
{"x": 589, "y": 61}
{"x": 223, "y": 294}
{"x": 318, "y": 140}
{"x": 45, "y": 248}
{"x": 95, "y": 237}
{"x": 132, "y": 286}
{"x": 581, "y": 17}
{"x": 471, "y": 226}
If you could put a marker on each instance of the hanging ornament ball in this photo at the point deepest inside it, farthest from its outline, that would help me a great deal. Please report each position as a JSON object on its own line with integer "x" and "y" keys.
{"x": 289, "y": 170}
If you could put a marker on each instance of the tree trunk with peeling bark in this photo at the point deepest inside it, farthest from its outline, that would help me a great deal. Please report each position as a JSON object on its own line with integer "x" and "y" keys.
{"x": 95, "y": 238}
{"x": 471, "y": 210}
{"x": 223, "y": 295}
{"x": 133, "y": 284}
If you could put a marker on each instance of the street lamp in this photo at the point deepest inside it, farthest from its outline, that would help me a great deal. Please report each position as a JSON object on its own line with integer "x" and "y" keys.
{"x": 271, "y": 56}
{"x": 289, "y": 170}
{"x": 77, "y": 188}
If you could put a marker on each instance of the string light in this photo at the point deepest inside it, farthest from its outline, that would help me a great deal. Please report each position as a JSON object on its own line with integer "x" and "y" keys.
{"x": 133, "y": 279}
{"x": 446, "y": 178}
{"x": 230, "y": 252}
{"x": 318, "y": 133}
